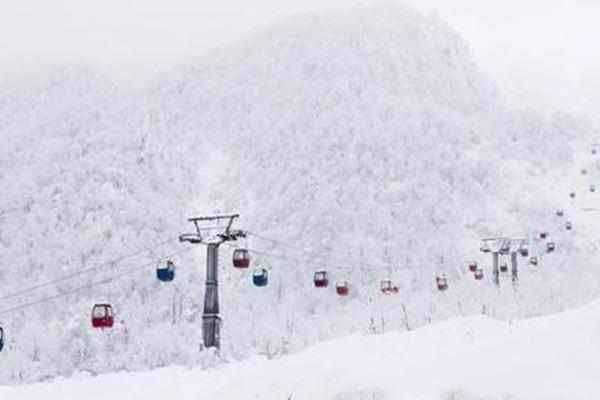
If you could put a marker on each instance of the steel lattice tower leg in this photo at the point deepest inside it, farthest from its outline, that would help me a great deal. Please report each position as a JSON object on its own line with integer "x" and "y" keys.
{"x": 514, "y": 269}
{"x": 211, "y": 322}
{"x": 495, "y": 271}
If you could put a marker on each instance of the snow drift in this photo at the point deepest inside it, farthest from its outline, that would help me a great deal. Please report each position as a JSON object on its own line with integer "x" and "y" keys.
{"x": 473, "y": 358}
{"x": 367, "y": 137}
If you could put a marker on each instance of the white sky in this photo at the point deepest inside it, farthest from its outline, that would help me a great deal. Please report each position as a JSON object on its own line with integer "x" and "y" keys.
{"x": 541, "y": 52}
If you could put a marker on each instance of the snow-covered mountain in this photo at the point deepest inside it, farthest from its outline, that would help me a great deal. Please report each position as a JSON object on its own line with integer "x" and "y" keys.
{"x": 366, "y": 137}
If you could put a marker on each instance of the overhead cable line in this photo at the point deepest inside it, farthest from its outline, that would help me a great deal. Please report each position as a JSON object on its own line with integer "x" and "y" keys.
{"x": 369, "y": 267}
{"x": 363, "y": 264}
{"x": 85, "y": 287}
{"x": 85, "y": 271}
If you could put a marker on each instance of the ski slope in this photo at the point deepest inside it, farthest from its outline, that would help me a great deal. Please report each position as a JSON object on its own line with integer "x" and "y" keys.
{"x": 472, "y": 358}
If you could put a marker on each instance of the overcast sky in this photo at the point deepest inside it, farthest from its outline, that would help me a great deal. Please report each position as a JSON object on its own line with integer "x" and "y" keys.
{"x": 540, "y": 52}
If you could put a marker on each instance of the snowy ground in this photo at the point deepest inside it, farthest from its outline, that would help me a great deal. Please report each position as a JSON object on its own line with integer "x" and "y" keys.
{"x": 476, "y": 358}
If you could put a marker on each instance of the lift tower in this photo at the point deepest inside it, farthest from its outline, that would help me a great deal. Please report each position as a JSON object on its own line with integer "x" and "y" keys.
{"x": 210, "y": 233}
{"x": 504, "y": 246}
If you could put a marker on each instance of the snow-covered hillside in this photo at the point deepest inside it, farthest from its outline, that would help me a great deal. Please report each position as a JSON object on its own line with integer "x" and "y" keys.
{"x": 365, "y": 137}
{"x": 471, "y": 358}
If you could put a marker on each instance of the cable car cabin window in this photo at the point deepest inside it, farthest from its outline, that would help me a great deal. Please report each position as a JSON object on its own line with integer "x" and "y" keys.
{"x": 169, "y": 266}
{"x": 99, "y": 312}
{"x": 109, "y": 311}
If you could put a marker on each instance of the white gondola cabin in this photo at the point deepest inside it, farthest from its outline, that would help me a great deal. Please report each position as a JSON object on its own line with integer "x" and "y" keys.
{"x": 387, "y": 286}
{"x": 533, "y": 260}
{"x": 568, "y": 225}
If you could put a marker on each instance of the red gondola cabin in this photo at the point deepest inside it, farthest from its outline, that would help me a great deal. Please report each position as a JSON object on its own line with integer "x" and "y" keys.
{"x": 102, "y": 316}
{"x": 478, "y": 275}
{"x": 503, "y": 267}
{"x": 441, "y": 282}
{"x": 241, "y": 258}
{"x": 320, "y": 279}
{"x": 472, "y": 266}
{"x": 341, "y": 288}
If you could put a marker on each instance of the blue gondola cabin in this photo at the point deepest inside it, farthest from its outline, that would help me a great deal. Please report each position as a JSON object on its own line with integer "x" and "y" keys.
{"x": 260, "y": 277}
{"x": 165, "y": 271}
